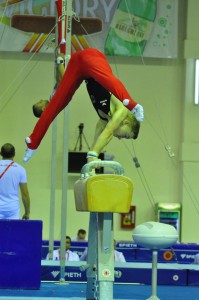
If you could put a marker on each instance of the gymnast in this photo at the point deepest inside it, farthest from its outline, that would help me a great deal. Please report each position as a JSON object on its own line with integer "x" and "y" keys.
{"x": 120, "y": 115}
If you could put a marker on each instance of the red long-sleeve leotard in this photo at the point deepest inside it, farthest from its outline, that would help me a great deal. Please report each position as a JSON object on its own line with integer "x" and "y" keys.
{"x": 84, "y": 64}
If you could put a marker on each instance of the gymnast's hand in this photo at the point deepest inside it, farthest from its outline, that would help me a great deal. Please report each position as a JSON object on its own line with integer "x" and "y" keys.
{"x": 96, "y": 166}
{"x": 138, "y": 112}
{"x": 29, "y": 152}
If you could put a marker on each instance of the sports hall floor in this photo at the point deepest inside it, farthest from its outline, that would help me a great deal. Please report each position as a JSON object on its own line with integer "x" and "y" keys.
{"x": 77, "y": 291}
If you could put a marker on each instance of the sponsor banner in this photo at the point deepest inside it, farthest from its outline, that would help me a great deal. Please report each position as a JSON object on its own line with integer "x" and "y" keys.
{"x": 167, "y": 255}
{"x": 128, "y": 275}
{"x": 52, "y": 273}
{"x": 147, "y": 28}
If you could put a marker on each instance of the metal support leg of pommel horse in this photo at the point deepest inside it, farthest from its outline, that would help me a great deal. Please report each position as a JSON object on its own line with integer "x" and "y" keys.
{"x": 102, "y": 195}
{"x": 100, "y": 272}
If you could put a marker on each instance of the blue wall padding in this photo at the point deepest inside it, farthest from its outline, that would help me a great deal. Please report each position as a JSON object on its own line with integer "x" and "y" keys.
{"x": 20, "y": 254}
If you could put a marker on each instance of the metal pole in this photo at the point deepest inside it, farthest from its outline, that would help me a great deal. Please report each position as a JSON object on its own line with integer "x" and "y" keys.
{"x": 105, "y": 256}
{"x": 154, "y": 275}
{"x": 53, "y": 188}
{"x": 67, "y": 12}
{"x": 53, "y": 168}
{"x": 154, "y": 272}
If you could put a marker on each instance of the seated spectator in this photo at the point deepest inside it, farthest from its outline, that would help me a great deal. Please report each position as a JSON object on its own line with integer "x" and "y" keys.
{"x": 118, "y": 256}
{"x": 70, "y": 256}
{"x": 81, "y": 236}
{"x": 196, "y": 259}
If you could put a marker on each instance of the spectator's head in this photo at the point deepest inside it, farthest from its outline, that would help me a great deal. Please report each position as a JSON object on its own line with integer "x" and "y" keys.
{"x": 81, "y": 235}
{"x": 7, "y": 151}
{"x": 39, "y": 107}
{"x": 68, "y": 242}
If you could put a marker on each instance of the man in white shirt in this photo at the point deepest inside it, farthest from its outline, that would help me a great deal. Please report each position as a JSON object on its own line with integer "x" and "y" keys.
{"x": 196, "y": 259}
{"x": 70, "y": 256}
{"x": 12, "y": 177}
{"x": 119, "y": 256}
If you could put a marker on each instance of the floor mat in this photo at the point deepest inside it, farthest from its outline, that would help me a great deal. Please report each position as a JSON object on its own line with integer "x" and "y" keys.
{"x": 77, "y": 291}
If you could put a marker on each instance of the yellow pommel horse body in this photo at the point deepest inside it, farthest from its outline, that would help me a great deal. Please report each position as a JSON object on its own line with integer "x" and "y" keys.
{"x": 102, "y": 195}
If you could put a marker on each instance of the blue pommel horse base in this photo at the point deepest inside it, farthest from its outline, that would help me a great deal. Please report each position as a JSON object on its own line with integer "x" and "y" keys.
{"x": 20, "y": 254}
{"x": 102, "y": 195}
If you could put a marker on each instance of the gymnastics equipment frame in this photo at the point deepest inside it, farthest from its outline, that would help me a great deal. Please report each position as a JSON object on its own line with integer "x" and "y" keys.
{"x": 102, "y": 195}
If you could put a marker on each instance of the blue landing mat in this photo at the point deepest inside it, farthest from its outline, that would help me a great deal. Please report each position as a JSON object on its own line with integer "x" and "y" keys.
{"x": 77, "y": 291}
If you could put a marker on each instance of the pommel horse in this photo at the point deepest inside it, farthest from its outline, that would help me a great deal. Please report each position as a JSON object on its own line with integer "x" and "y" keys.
{"x": 102, "y": 195}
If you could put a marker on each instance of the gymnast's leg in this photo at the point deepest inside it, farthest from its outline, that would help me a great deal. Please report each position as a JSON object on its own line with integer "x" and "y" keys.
{"x": 95, "y": 65}
{"x": 66, "y": 89}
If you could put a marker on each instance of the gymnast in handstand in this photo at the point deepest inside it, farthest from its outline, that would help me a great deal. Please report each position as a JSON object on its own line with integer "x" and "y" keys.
{"x": 119, "y": 114}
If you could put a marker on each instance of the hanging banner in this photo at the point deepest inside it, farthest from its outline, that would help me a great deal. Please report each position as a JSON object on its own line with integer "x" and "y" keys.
{"x": 147, "y": 28}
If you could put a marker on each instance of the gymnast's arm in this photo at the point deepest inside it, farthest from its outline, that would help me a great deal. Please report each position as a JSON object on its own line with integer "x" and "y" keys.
{"x": 105, "y": 130}
{"x": 100, "y": 126}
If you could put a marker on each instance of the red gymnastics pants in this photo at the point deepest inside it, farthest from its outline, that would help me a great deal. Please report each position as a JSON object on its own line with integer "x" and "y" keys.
{"x": 84, "y": 64}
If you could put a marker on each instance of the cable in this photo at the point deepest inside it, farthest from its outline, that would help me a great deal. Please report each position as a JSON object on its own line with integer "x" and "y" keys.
{"x": 3, "y": 105}
{"x": 174, "y": 255}
{"x": 21, "y": 71}
{"x": 141, "y": 176}
{"x": 6, "y": 4}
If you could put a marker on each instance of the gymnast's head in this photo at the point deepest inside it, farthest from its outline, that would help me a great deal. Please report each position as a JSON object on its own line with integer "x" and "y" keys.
{"x": 39, "y": 107}
{"x": 129, "y": 128}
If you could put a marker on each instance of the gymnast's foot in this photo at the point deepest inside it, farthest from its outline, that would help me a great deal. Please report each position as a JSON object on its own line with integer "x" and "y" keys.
{"x": 138, "y": 112}
{"x": 29, "y": 152}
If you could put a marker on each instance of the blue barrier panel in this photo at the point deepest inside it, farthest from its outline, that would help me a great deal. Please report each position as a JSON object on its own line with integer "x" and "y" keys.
{"x": 193, "y": 277}
{"x": 128, "y": 275}
{"x": 52, "y": 273}
{"x": 164, "y": 255}
{"x": 181, "y": 253}
{"x": 143, "y": 276}
{"x": 20, "y": 254}
{"x": 172, "y": 277}
{"x": 186, "y": 252}
{"x": 128, "y": 249}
